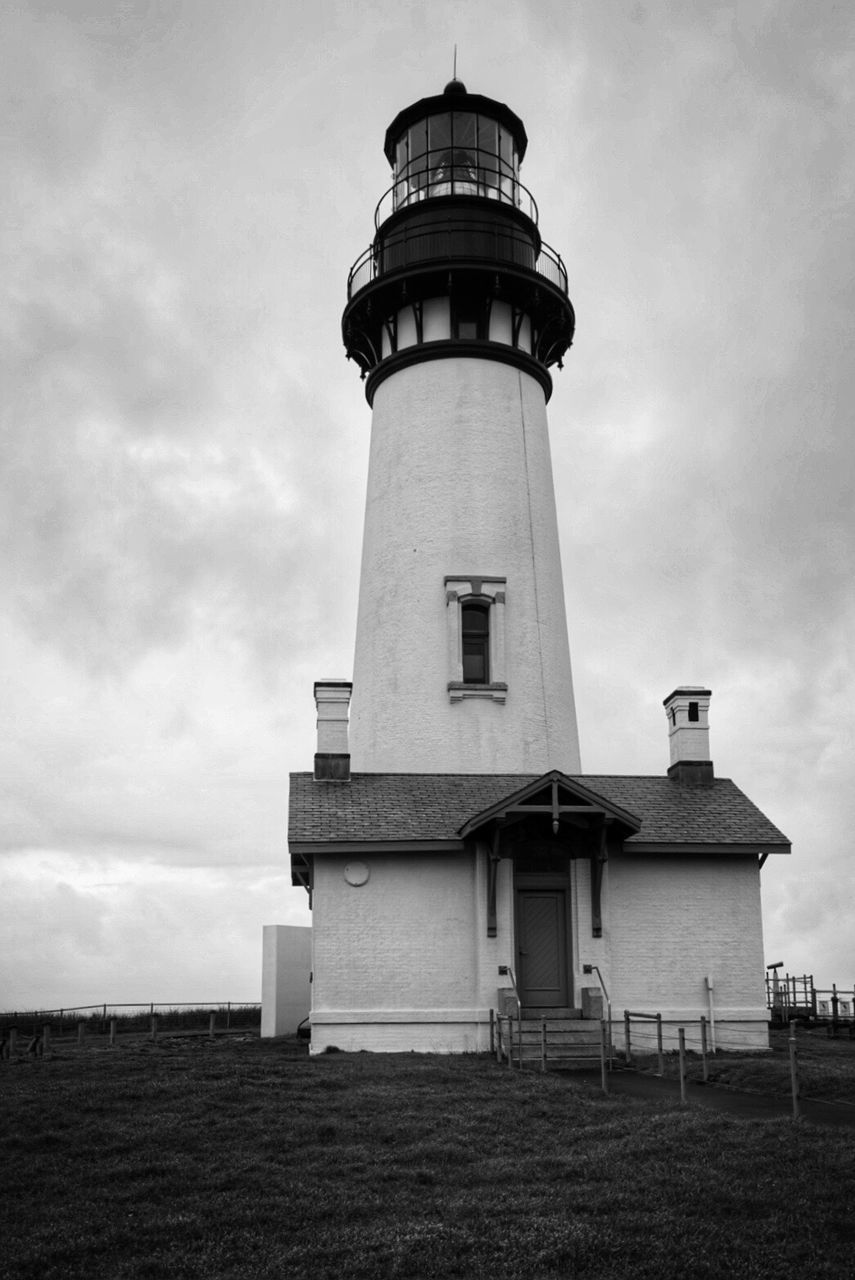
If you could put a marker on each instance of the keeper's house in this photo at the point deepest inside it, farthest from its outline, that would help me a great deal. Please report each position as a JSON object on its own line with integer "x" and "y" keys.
{"x": 434, "y": 892}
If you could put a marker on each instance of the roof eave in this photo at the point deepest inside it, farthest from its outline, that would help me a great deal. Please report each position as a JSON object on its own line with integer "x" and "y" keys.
{"x": 305, "y": 848}
{"x": 754, "y": 849}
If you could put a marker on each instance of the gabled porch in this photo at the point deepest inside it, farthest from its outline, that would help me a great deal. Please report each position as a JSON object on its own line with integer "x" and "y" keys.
{"x": 543, "y": 829}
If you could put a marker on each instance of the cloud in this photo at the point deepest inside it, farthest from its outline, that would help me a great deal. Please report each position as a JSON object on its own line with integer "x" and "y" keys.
{"x": 118, "y": 932}
{"x": 185, "y": 449}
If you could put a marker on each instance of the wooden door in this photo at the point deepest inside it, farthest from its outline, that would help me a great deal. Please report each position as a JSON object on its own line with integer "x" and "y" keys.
{"x": 542, "y": 947}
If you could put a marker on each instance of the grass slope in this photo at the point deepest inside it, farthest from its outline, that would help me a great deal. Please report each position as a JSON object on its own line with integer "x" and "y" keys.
{"x": 192, "y": 1158}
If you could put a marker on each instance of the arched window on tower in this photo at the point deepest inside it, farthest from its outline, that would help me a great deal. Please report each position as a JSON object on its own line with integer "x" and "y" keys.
{"x": 475, "y": 634}
{"x": 475, "y": 638}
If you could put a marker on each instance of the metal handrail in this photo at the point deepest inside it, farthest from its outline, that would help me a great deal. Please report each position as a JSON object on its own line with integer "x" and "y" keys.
{"x": 367, "y": 268}
{"x": 505, "y": 971}
{"x": 459, "y": 182}
{"x": 593, "y": 968}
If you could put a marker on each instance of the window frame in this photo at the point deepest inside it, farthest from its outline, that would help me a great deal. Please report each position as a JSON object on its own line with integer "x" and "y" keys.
{"x": 476, "y": 638}
{"x": 487, "y": 593}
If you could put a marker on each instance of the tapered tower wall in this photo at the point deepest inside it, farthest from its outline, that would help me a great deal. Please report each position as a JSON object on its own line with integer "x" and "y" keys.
{"x": 460, "y": 487}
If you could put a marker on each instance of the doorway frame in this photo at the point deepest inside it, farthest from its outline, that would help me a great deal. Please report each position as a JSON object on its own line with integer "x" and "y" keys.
{"x": 549, "y": 882}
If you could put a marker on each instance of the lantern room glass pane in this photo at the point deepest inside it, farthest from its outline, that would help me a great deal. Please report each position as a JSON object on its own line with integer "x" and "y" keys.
{"x": 416, "y": 171}
{"x": 465, "y": 130}
{"x": 507, "y": 151}
{"x": 507, "y": 166}
{"x": 401, "y": 191}
{"x": 418, "y": 139}
{"x": 487, "y": 135}
{"x": 465, "y": 174}
{"x": 440, "y": 155}
{"x": 439, "y": 129}
{"x": 488, "y": 154}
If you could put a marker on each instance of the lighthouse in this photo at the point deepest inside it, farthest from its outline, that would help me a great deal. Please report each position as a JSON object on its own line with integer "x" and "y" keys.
{"x": 461, "y": 870}
{"x": 456, "y": 313}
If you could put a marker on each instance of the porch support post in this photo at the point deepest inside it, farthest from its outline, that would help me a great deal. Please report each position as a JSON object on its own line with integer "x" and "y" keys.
{"x": 492, "y": 869}
{"x": 598, "y": 861}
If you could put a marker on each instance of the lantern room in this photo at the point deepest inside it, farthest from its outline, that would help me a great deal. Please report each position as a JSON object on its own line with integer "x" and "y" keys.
{"x": 457, "y": 265}
{"x": 458, "y": 144}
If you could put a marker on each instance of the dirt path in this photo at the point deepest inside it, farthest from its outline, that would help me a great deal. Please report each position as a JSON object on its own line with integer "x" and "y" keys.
{"x": 751, "y": 1106}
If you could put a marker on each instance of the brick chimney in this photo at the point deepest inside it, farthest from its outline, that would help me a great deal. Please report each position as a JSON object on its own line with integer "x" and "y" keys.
{"x": 687, "y": 709}
{"x": 332, "y": 758}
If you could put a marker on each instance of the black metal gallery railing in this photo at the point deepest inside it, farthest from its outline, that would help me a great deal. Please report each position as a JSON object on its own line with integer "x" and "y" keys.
{"x": 482, "y": 180}
{"x": 455, "y": 241}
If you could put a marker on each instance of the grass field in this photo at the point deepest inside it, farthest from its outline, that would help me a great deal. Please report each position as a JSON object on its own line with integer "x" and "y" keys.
{"x": 243, "y": 1158}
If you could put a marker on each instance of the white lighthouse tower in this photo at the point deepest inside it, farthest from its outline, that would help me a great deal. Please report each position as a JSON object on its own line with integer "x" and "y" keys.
{"x": 455, "y": 314}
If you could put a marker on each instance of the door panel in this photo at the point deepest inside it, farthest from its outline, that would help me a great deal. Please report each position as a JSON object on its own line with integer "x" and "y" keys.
{"x": 542, "y": 947}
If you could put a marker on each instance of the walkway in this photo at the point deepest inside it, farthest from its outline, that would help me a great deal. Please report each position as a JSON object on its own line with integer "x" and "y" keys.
{"x": 750, "y": 1106}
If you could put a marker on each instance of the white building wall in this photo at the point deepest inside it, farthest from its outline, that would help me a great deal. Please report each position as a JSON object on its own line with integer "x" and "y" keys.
{"x": 460, "y": 483}
{"x": 403, "y": 961}
{"x": 675, "y": 921}
{"x": 285, "y": 978}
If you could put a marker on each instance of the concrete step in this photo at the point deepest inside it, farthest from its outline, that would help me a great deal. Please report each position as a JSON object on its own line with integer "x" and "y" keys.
{"x": 570, "y": 1041}
{"x": 555, "y": 1011}
{"x": 562, "y": 1026}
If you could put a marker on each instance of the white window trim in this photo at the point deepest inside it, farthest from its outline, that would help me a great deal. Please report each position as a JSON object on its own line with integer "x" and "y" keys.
{"x": 491, "y": 592}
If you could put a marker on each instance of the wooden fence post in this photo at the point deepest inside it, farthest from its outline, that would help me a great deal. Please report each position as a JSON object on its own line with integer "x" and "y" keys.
{"x": 704, "y": 1048}
{"x": 212, "y": 1018}
{"x": 153, "y": 1027}
{"x": 681, "y": 1039}
{"x": 659, "y": 1044}
{"x": 113, "y": 1025}
{"x": 794, "y": 1072}
{"x": 626, "y": 1037}
{"x": 81, "y": 1032}
{"x": 604, "y": 1051}
{"x": 13, "y": 1041}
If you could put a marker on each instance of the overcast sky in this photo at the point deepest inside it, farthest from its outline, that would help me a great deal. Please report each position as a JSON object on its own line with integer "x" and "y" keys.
{"x": 185, "y": 446}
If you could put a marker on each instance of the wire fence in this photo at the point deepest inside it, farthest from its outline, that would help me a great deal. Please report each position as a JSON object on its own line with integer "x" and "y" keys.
{"x": 743, "y": 1057}
{"x": 131, "y": 1018}
{"x": 650, "y": 1033}
{"x": 517, "y": 1042}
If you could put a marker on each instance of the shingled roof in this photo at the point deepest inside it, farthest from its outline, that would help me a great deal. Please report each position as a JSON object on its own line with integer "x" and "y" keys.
{"x": 377, "y": 810}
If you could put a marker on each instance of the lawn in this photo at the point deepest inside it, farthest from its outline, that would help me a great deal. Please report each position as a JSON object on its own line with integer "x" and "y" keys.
{"x": 243, "y": 1158}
